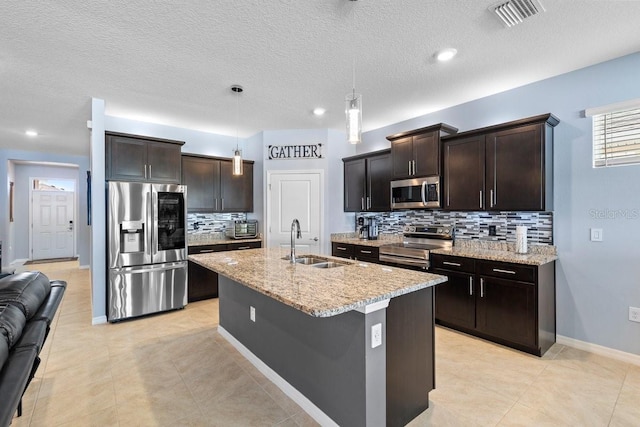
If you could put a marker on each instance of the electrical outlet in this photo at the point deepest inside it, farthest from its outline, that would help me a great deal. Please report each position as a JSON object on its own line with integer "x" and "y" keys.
{"x": 492, "y": 230}
{"x": 376, "y": 335}
{"x": 596, "y": 234}
{"x": 634, "y": 314}
{"x": 252, "y": 313}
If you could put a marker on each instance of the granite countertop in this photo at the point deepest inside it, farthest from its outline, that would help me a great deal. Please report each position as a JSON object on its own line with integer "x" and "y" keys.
{"x": 478, "y": 249}
{"x": 319, "y": 292}
{"x": 219, "y": 241}
{"x": 498, "y": 255}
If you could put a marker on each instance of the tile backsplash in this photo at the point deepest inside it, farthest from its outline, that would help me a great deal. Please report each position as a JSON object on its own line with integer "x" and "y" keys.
{"x": 472, "y": 225}
{"x": 201, "y": 224}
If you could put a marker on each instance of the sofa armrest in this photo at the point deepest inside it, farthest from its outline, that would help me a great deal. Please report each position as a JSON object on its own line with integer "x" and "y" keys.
{"x": 49, "y": 307}
{"x": 14, "y": 378}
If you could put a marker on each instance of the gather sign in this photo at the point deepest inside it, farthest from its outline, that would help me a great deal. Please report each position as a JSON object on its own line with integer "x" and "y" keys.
{"x": 306, "y": 151}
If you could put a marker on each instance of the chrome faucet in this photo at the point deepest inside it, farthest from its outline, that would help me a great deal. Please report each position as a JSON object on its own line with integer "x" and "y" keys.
{"x": 295, "y": 225}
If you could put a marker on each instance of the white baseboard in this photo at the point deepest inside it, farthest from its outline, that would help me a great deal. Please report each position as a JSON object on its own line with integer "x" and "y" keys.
{"x": 599, "y": 350}
{"x": 99, "y": 320}
{"x": 308, "y": 406}
{"x": 84, "y": 267}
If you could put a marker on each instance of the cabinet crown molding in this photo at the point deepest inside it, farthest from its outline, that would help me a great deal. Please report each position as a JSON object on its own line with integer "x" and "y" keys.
{"x": 444, "y": 129}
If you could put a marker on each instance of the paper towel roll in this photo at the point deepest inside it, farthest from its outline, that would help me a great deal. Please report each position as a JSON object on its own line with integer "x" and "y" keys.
{"x": 521, "y": 239}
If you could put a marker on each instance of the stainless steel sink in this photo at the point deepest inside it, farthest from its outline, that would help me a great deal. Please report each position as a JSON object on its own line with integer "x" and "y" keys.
{"x": 316, "y": 261}
{"x": 328, "y": 264}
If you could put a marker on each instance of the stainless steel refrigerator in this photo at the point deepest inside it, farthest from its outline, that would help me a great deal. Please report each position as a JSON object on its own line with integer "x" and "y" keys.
{"x": 147, "y": 251}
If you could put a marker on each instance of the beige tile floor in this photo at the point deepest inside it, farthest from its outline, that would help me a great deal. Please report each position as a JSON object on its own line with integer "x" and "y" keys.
{"x": 174, "y": 369}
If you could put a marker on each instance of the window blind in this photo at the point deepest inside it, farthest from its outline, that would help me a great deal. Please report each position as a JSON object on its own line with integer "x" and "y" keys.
{"x": 616, "y": 138}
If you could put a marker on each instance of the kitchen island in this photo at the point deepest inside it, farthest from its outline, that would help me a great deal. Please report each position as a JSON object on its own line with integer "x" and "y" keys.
{"x": 353, "y": 344}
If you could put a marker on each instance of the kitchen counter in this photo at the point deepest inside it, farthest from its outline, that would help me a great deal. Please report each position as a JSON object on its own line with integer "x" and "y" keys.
{"x": 318, "y": 292}
{"x": 498, "y": 255}
{"x": 352, "y": 345}
{"x": 487, "y": 250}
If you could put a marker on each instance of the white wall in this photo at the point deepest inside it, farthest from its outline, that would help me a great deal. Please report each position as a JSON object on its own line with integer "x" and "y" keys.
{"x": 596, "y": 282}
{"x": 334, "y": 148}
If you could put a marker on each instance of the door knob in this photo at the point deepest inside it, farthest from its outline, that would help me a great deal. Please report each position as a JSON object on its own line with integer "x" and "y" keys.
{"x": 315, "y": 239}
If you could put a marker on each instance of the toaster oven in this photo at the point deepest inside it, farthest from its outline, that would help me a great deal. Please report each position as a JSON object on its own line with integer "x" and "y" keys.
{"x": 242, "y": 229}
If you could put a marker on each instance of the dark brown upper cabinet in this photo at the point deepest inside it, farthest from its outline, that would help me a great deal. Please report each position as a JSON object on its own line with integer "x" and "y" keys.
{"x": 507, "y": 167}
{"x": 139, "y": 158}
{"x": 464, "y": 174}
{"x": 211, "y": 186}
{"x": 417, "y": 153}
{"x": 366, "y": 182}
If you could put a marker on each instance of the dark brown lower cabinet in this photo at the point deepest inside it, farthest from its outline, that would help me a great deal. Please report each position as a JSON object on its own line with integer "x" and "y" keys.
{"x": 359, "y": 252}
{"x": 456, "y": 299}
{"x": 202, "y": 282}
{"x": 511, "y": 304}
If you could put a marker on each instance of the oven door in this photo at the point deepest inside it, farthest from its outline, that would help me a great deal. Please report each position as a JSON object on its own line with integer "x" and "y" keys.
{"x": 415, "y": 193}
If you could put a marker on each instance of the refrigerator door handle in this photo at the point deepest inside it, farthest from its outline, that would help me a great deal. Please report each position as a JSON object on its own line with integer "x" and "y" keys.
{"x": 151, "y": 268}
{"x": 154, "y": 215}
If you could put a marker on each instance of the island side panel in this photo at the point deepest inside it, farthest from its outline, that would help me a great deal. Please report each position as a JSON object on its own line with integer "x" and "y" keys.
{"x": 410, "y": 356}
{"x": 329, "y": 360}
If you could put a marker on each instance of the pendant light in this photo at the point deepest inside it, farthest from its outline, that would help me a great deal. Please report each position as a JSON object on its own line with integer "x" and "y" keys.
{"x": 237, "y": 154}
{"x": 353, "y": 109}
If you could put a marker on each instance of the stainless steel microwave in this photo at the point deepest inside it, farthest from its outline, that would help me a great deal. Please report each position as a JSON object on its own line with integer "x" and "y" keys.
{"x": 416, "y": 193}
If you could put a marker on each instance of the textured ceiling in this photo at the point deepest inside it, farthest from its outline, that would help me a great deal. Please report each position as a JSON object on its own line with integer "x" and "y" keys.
{"x": 173, "y": 62}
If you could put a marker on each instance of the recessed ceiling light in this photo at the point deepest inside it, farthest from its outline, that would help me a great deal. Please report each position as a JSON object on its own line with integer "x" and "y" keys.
{"x": 319, "y": 111}
{"x": 31, "y": 133}
{"x": 446, "y": 54}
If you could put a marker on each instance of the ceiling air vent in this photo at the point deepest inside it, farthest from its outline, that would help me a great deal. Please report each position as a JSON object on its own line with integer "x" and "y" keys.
{"x": 513, "y": 12}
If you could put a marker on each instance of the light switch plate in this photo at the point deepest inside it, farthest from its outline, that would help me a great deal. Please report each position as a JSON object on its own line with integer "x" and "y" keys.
{"x": 252, "y": 313}
{"x": 596, "y": 234}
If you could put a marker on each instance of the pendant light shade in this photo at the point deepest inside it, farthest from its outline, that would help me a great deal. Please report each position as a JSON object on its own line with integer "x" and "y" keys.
{"x": 237, "y": 162}
{"x": 353, "y": 110}
{"x": 237, "y": 154}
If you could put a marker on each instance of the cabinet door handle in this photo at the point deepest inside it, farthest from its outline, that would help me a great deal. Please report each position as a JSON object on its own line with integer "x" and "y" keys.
{"x": 340, "y": 248}
{"x": 481, "y": 201}
{"x": 409, "y": 164}
{"x": 451, "y": 263}
{"x": 368, "y": 203}
{"x": 221, "y": 204}
{"x": 206, "y": 251}
{"x": 491, "y": 198}
{"x": 365, "y": 252}
{"x": 145, "y": 171}
{"x": 414, "y": 166}
{"x": 481, "y": 288}
{"x": 499, "y": 270}
{"x": 470, "y": 285}
{"x": 361, "y": 203}
{"x": 149, "y": 171}
{"x": 244, "y": 247}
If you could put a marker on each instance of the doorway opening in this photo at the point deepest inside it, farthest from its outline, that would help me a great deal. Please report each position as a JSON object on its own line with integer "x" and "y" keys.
{"x": 52, "y": 211}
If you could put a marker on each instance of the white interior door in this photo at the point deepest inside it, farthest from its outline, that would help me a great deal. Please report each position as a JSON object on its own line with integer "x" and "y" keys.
{"x": 52, "y": 224}
{"x": 294, "y": 195}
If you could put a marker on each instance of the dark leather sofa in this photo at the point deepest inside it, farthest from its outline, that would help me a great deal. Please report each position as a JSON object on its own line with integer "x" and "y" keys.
{"x": 28, "y": 303}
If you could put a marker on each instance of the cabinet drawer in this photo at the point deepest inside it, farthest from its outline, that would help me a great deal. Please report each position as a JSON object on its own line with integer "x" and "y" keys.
{"x": 204, "y": 249}
{"x": 342, "y": 250}
{"x": 243, "y": 245}
{"x": 519, "y": 272}
{"x": 453, "y": 263}
{"x": 366, "y": 253}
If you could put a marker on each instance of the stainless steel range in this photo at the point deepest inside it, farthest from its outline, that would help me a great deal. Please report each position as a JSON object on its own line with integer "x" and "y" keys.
{"x": 417, "y": 242}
